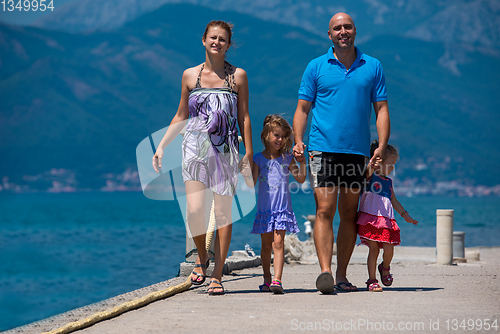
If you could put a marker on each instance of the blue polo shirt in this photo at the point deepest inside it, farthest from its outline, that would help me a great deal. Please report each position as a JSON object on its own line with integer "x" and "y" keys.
{"x": 342, "y": 102}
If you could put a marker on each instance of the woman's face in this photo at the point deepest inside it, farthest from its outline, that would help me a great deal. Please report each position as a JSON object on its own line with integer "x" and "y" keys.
{"x": 216, "y": 41}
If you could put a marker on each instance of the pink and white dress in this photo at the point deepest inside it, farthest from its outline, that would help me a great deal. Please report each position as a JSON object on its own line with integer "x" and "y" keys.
{"x": 376, "y": 219}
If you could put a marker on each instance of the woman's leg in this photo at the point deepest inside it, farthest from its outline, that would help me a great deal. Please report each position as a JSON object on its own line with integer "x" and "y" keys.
{"x": 223, "y": 236}
{"x": 195, "y": 216}
{"x": 265, "y": 255}
{"x": 279, "y": 253}
{"x": 372, "y": 259}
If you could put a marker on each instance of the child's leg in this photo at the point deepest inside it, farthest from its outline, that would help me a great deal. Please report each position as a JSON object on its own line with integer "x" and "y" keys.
{"x": 265, "y": 255}
{"x": 388, "y": 254}
{"x": 372, "y": 258}
{"x": 279, "y": 253}
{"x": 384, "y": 267}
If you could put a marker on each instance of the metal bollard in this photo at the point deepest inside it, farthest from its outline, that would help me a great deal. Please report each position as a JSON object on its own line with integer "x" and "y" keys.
{"x": 444, "y": 236}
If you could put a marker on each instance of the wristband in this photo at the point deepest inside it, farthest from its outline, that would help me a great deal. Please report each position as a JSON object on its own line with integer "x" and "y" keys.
{"x": 404, "y": 213}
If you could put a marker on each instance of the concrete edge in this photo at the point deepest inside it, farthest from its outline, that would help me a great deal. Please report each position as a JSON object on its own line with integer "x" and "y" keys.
{"x": 234, "y": 262}
{"x": 62, "y": 319}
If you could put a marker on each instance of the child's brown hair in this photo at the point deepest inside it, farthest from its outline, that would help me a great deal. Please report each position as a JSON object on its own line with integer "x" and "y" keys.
{"x": 276, "y": 120}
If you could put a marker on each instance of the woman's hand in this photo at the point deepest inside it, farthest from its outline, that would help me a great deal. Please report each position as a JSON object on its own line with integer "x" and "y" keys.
{"x": 245, "y": 169}
{"x": 245, "y": 165}
{"x": 157, "y": 160}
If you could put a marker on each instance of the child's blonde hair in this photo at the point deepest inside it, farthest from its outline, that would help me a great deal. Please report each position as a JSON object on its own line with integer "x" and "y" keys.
{"x": 276, "y": 120}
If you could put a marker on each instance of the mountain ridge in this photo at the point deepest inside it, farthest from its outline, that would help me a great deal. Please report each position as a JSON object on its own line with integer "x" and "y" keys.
{"x": 84, "y": 101}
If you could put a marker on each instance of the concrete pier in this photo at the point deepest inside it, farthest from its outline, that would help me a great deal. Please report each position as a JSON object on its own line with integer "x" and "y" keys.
{"x": 425, "y": 298}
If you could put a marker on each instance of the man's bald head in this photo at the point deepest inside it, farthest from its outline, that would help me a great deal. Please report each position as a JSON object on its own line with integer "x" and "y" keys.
{"x": 340, "y": 17}
{"x": 342, "y": 30}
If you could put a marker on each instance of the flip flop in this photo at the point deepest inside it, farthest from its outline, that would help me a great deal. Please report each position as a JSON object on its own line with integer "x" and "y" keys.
{"x": 265, "y": 287}
{"x": 215, "y": 293}
{"x": 276, "y": 287}
{"x": 325, "y": 283}
{"x": 348, "y": 285}
{"x": 195, "y": 281}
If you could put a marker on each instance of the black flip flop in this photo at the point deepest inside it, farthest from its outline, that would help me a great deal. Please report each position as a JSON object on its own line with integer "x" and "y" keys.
{"x": 196, "y": 282}
{"x": 325, "y": 283}
{"x": 348, "y": 285}
{"x": 215, "y": 293}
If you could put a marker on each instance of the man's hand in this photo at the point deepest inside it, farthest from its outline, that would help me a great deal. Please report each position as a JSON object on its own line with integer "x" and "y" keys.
{"x": 298, "y": 152}
{"x": 378, "y": 157}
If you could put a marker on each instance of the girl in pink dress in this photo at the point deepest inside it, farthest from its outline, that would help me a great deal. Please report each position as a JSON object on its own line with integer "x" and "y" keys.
{"x": 377, "y": 227}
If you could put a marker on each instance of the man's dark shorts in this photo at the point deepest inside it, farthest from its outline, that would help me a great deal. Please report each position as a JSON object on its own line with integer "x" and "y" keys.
{"x": 337, "y": 169}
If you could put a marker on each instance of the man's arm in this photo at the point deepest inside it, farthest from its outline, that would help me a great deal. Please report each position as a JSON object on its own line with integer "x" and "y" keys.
{"x": 383, "y": 130}
{"x": 299, "y": 128}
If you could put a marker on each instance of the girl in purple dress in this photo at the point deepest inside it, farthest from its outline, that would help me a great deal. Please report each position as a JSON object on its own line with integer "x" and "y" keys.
{"x": 214, "y": 100}
{"x": 274, "y": 215}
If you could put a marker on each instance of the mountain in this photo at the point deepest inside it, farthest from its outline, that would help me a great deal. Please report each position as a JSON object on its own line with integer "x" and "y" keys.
{"x": 463, "y": 22}
{"x": 83, "y": 101}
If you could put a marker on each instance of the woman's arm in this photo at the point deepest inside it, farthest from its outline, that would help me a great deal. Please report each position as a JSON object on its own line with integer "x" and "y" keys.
{"x": 298, "y": 172}
{"x": 177, "y": 122}
{"x": 240, "y": 77}
{"x": 399, "y": 209}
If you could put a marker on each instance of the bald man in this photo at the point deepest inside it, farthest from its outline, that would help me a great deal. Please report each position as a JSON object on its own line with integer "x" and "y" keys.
{"x": 339, "y": 88}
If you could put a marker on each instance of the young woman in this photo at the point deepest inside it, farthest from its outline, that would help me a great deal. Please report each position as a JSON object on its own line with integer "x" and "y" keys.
{"x": 214, "y": 99}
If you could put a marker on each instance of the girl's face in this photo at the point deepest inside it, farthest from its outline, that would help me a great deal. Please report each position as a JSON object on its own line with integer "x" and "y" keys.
{"x": 216, "y": 41}
{"x": 387, "y": 166}
{"x": 276, "y": 138}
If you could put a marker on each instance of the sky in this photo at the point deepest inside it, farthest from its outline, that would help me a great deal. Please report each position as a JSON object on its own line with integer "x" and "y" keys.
{"x": 25, "y": 17}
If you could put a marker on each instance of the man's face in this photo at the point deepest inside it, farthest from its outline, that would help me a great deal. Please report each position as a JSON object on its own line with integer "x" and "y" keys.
{"x": 342, "y": 31}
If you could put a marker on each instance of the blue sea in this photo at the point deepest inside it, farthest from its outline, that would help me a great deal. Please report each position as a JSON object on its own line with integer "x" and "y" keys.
{"x": 62, "y": 251}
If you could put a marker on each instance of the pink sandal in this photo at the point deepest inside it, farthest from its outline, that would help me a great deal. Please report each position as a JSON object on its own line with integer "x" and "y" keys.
{"x": 372, "y": 285}
{"x": 386, "y": 279}
{"x": 276, "y": 287}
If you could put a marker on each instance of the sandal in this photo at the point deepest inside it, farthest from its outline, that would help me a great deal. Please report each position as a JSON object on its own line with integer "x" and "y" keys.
{"x": 211, "y": 291}
{"x": 198, "y": 275}
{"x": 265, "y": 287}
{"x": 372, "y": 285}
{"x": 348, "y": 287}
{"x": 386, "y": 279}
{"x": 325, "y": 283}
{"x": 276, "y": 287}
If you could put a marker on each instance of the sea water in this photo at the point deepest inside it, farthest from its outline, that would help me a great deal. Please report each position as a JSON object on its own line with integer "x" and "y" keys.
{"x": 62, "y": 251}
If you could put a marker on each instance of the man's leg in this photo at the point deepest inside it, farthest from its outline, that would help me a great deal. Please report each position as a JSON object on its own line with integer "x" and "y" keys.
{"x": 326, "y": 203}
{"x": 346, "y": 237}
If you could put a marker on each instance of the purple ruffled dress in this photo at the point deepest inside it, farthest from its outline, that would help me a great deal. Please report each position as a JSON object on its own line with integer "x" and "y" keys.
{"x": 274, "y": 204}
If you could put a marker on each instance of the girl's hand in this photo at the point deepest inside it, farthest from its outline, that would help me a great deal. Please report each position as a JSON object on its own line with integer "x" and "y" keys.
{"x": 408, "y": 219}
{"x": 298, "y": 152}
{"x": 157, "y": 160}
{"x": 245, "y": 169}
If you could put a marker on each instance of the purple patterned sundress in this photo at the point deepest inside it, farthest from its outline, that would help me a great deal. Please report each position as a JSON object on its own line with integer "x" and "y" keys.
{"x": 210, "y": 145}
